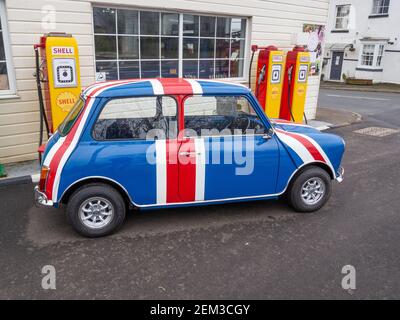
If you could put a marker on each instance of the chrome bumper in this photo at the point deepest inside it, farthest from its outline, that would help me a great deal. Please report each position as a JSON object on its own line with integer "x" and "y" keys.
{"x": 41, "y": 198}
{"x": 340, "y": 174}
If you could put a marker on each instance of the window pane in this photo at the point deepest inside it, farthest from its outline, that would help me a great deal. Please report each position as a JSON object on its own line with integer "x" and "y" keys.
{"x": 150, "y": 47}
{"x": 109, "y": 68}
{"x": 129, "y": 69}
{"x": 104, "y": 20}
{"x": 223, "y": 27}
{"x": 342, "y": 17}
{"x": 169, "y": 69}
{"x": 150, "y": 69}
{"x": 207, "y": 26}
{"x": 190, "y": 25}
{"x": 128, "y": 47}
{"x": 170, "y": 24}
{"x": 137, "y": 118}
{"x": 238, "y": 28}
{"x": 237, "y": 49}
{"x": 105, "y": 47}
{"x": 221, "y": 115}
{"x": 222, "y": 69}
{"x": 169, "y": 48}
{"x": 237, "y": 69}
{"x": 206, "y": 69}
{"x": 380, "y": 6}
{"x": 206, "y": 48}
{"x": 128, "y": 22}
{"x": 190, "y": 48}
{"x": 70, "y": 119}
{"x": 222, "y": 49}
{"x": 2, "y": 54}
{"x": 149, "y": 23}
{"x": 3, "y": 77}
{"x": 190, "y": 68}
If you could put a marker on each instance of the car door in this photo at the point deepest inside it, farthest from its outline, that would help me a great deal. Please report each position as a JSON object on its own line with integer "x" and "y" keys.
{"x": 227, "y": 152}
{"x": 131, "y": 139}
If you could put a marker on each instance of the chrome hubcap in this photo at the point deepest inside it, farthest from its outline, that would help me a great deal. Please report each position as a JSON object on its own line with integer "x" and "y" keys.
{"x": 313, "y": 191}
{"x": 96, "y": 212}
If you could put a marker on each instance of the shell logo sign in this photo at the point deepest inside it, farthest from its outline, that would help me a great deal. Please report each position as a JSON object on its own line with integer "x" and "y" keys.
{"x": 66, "y": 101}
{"x": 276, "y": 93}
{"x": 301, "y": 90}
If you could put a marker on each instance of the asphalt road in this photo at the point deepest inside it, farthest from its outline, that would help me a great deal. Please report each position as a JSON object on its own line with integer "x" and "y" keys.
{"x": 256, "y": 250}
{"x": 384, "y": 107}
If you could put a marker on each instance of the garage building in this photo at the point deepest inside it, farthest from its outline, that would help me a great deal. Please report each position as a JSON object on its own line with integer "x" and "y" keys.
{"x": 128, "y": 39}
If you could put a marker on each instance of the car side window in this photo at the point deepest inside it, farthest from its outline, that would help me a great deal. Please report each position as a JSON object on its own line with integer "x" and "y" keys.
{"x": 137, "y": 118}
{"x": 221, "y": 115}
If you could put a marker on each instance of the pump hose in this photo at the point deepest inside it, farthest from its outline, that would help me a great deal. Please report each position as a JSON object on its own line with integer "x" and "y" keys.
{"x": 305, "y": 118}
{"x": 289, "y": 100}
{"x": 251, "y": 64}
{"x": 43, "y": 117}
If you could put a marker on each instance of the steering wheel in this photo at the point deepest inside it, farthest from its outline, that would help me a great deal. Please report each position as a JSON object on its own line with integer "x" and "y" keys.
{"x": 236, "y": 123}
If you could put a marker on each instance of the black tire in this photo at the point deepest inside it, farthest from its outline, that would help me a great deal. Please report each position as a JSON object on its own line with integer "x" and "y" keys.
{"x": 93, "y": 192}
{"x": 294, "y": 193}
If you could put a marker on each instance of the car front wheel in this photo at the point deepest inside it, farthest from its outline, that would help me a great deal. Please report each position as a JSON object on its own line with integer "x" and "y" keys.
{"x": 96, "y": 210}
{"x": 310, "y": 190}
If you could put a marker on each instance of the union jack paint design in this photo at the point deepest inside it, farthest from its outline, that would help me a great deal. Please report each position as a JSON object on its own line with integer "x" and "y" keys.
{"x": 190, "y": 161}
{"x": 181, "y": 174}
{"x": 59, "y": 153}
{"x": 305, "y": 147}
{"x": 62, "y": 149}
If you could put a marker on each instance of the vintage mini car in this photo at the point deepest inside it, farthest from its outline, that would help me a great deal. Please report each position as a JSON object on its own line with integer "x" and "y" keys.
{"x": 160, "y": 143}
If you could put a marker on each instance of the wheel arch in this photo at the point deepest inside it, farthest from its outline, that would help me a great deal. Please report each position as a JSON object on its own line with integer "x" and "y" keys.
{"x": 84, "y": 181}
{"x": 321, "y": 165}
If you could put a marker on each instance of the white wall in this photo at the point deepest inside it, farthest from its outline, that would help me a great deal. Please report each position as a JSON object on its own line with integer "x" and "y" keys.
{"x": 361, "y": 26}
{"x": 272, "y": 22}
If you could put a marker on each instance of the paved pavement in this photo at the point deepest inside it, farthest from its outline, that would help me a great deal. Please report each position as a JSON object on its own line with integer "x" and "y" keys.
{"x": 256, "y": 250}
{"x": 378, "y": 87}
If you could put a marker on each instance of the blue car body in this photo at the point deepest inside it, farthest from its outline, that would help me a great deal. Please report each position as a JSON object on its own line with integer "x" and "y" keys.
{"x": 77, "y": 158}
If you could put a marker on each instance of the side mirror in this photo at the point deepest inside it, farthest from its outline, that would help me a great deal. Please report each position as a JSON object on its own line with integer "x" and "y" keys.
{"x": 268, "y": 135}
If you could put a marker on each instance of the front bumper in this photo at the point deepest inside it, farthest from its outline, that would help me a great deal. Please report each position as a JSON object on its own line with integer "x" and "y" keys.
{"x": 340, "y": 174}
{"x": 41, "y": 198}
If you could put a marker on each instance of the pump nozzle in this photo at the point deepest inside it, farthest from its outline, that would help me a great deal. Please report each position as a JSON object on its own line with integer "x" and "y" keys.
{"x": 262, "y": 74}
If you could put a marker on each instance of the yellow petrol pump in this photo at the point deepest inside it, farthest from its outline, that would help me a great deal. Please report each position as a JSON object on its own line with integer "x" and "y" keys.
{"x": 60, "y": 73}
{"x": 275, "y": 82}
{"x": 295, "y": 85}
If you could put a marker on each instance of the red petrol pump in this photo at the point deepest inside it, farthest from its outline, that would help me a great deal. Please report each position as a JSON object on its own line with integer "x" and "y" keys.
{"x": 295, "y": 85}
{"x": 269, "y": 78}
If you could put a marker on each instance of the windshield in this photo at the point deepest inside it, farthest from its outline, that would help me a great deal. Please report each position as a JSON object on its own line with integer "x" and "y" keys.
{"x": 70, "y": 119}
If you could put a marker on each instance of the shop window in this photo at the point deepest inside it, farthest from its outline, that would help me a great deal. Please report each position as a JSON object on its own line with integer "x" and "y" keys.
{"x": 143, "y": 44}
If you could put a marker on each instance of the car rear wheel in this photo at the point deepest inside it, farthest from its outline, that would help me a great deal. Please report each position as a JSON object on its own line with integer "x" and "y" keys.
{"x": 310, "y": 190}
{"x": 96, "y": 210}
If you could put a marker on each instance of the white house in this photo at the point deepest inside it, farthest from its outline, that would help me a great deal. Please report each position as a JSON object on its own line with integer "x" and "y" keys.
{"x": 137, "y": 38}
{"x": 363, "y": 41}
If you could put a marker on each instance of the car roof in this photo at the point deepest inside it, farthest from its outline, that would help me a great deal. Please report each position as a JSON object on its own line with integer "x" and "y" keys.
{"x": 163, "y": 86}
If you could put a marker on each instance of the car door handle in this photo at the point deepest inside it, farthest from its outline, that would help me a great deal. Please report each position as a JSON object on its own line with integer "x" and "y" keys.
{"x": 188, "y": 154}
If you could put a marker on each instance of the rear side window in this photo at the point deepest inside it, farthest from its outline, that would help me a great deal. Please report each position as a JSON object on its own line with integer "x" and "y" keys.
{"x": 221, "y": 115}
{"x": 68, "y": 123}
{"x": 137, "y": 118}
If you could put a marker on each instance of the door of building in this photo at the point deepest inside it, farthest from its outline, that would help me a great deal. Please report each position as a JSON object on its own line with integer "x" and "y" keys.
{"x": 336, "y": 65}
